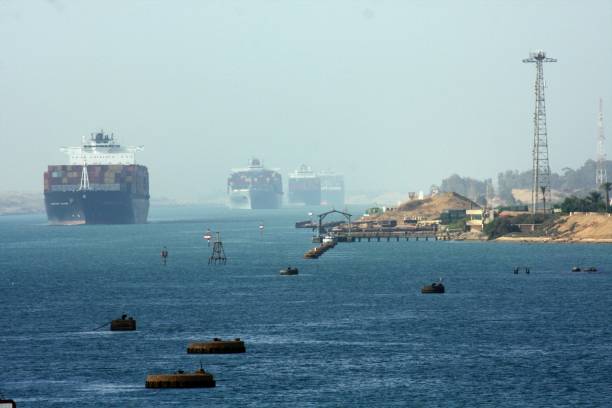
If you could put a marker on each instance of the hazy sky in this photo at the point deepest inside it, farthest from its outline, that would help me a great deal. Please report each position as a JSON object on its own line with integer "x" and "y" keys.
{"x": 394, "y": 94}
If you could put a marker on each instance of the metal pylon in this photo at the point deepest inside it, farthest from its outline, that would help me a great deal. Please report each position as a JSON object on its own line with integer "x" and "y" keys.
{"x": 218, "y": 254}
{"x": 540, "y": 191}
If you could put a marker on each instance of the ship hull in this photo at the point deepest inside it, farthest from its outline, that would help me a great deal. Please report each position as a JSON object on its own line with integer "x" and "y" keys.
{"x": 95, "y": 207}
{"x": 305, "y": 197}
{"x": 254, "y": 200}
{"x": 333, "y": 198}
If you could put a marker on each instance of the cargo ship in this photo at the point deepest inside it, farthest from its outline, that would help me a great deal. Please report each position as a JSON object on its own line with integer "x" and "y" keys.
{"x": 304, "y": 187}
{"x": 255, "y": 187}
{"x": 101, "y": 184}
{"x": 332, "y": 189}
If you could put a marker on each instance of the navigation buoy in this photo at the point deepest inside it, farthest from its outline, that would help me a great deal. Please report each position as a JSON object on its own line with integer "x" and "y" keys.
{"x": 164, "y": 255}
{"x": 208, "y": 236}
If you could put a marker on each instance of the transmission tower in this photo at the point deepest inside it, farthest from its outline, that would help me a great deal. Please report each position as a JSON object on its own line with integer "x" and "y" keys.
{"x": 540, "y": 191}
{"x": 601, "y": 175}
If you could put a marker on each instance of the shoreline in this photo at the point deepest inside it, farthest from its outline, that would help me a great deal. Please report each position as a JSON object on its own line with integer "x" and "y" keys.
{"x": 553, "y": 240}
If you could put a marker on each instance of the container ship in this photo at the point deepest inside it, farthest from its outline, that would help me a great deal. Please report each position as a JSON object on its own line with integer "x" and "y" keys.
{"x": 255, "y": 187}
{"x": 102, "y": 184}
{"x": 332, "y": 189}
{"x": 304, "y": 187}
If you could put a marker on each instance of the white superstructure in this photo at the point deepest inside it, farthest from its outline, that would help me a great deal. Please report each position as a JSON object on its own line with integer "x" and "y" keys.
{"x": 101, "y": 149}
{"x": 303, "y": 171}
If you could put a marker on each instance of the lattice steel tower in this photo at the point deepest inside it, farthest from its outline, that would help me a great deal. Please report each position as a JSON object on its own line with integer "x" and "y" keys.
{"x": 601, "y": 175}
{"x": 540, "y": 191}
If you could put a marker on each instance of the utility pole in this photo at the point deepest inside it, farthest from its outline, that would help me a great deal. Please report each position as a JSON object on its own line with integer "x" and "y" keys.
{"x": 540, "y": 190}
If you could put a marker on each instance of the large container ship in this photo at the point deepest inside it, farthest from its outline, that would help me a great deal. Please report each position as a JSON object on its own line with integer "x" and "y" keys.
{"x": 255, "y": 187}
{"x": 304, "y": 187}
{"x": 102, "y": 184}
{"x": 332, "y": 189}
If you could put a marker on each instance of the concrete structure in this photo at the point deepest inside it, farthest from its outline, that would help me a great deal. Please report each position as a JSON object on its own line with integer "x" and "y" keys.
{"x": 475, "y": 220}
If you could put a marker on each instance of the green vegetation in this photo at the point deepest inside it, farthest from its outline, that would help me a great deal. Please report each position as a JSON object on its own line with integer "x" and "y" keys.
{"x": 457, "y": 224}
{"x": 506, "y": 225}
{"x": 607, "y": 187}
{"x": 592, "y": 203}
{"x": 579, "y": 180}
{"x": 499, "y": 227}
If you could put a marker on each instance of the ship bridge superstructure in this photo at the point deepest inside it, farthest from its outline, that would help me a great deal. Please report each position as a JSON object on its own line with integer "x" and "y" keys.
{"x": 101, "y": 149}
{"x": 303, "y": 171}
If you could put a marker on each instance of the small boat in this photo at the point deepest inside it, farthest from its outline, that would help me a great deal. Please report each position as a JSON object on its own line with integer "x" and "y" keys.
{"x": 436, "y": 287}
{"x": 590, "y": 269}
{"x": 576, "y": 269}
{"x": 330, "y": 240}
{"x": 289, "y": 271}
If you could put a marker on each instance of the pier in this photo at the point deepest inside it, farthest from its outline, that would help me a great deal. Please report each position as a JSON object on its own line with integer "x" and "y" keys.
{"x": 397, "y": 235}
{"x": 364, "y": 231}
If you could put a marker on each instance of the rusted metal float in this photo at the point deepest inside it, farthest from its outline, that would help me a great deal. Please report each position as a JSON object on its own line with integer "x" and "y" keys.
{"x": 126, "y": 323}
{"x": 217, "y": 346}
{"x": 7, "y": 403}
{"x": 180, "y": 379}
{"x": 436, "y": 287}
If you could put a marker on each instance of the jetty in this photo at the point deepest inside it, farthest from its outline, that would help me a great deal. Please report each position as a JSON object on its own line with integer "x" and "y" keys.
{"x": 394, "y": 235}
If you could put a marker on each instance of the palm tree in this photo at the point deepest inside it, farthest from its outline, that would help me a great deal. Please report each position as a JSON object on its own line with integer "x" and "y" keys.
{"x": 607, "y": 186}
{"x": 595, "y": 198}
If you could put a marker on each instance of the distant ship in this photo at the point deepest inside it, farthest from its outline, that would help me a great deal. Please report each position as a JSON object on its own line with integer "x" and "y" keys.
{"x": 304, "y": 187}
{"x": 332, "y": 189}
{"x": 255, "y": 187}
{"x": 102, "y": 184}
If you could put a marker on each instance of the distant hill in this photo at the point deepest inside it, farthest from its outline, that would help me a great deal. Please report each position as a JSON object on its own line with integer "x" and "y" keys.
{"x": 429, "y": 208}
{"x": 12, "y": 203}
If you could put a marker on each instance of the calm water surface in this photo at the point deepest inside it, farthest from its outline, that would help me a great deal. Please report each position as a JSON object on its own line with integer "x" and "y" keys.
{"x": 351, "y": 329}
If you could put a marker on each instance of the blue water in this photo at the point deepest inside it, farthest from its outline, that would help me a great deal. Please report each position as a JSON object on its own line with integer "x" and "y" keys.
{"x": 352, "y": 329}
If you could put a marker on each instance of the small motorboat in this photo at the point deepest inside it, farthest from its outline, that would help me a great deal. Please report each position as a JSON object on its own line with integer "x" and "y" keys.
{"x": 289, "y": 271}
{"x": 576, "y": 269}
{"x": 436, "y": 287}
{"x": 590, "y": 269}
{"x": 329, "y": 240}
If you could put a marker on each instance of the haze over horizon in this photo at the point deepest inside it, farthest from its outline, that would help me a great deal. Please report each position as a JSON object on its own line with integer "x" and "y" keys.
{"x": 395, "y": 95}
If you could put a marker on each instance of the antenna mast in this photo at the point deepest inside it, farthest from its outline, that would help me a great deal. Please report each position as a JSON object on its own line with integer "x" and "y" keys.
{"x": 601, "y": 175}
{"x": 540, "y": 191}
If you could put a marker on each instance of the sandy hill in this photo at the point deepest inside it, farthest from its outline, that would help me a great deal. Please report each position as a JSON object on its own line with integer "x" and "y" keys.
{"x": 584, "y": 227}
{"x": 430, "y": 207}
{"x": 578, "y": 227}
